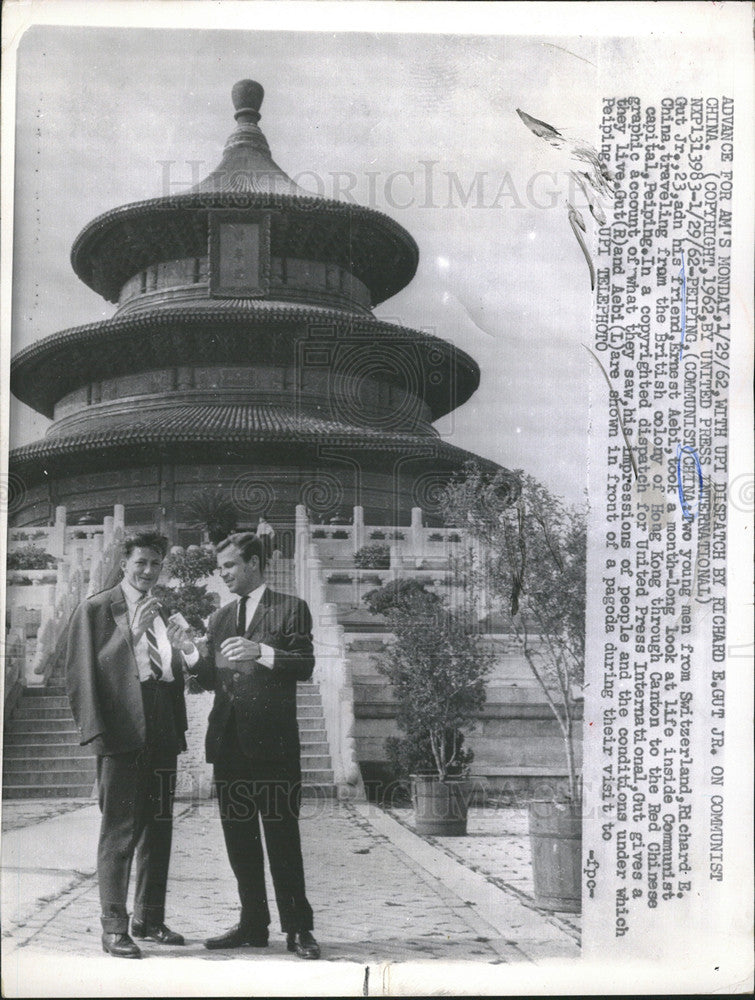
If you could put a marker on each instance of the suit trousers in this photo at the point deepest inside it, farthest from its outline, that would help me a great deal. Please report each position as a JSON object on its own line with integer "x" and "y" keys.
{"x": 249, "y": 791}
{"x": 136, "y": 793}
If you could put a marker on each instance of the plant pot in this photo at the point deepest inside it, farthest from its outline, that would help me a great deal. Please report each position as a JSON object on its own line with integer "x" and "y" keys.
{"x": 556, "y": 844}
{"x": 440, "y": 807}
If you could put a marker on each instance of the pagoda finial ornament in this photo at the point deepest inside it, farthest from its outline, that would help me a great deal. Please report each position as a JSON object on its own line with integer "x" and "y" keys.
{"x": 247, "y": 97}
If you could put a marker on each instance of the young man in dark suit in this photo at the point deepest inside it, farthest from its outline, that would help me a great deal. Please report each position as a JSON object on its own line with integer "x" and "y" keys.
{"x": 258, "y": 647}
{"x": 126, "y": 688}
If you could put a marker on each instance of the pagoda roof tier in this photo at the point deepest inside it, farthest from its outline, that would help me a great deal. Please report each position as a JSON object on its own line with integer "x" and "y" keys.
{"x": 240, "y": 331}
{"x": 216, "y": 429}
{"x": 373, "y": 247}
{"x": 370, "y": 245}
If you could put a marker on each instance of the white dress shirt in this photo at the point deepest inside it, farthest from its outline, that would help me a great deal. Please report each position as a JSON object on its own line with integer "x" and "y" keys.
{"x": 141, "y": 648}
{"x": 267, "y": 653}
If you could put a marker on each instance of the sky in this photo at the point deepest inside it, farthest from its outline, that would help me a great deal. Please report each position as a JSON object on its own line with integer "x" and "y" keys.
{"x": 422, "y": 127}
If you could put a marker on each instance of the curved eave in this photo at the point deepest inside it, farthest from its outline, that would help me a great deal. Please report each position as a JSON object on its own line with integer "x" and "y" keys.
{"x": 94, "y": 448}
{"x": 46, "y": 371}
{"x": 119, "y": 243}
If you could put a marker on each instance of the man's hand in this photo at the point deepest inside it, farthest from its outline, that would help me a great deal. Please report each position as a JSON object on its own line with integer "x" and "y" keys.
{"x": 146, "y": 612}
{"x": 179, "y": 638}
{"x": 239, "y": 649}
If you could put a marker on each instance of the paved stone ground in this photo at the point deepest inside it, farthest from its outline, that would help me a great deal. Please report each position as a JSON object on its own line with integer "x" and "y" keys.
{"x": 380, "y": 895}
{"x": 370, "y": 900}
{"x": 497, "y": 845}
{"x": 25, "y": 812}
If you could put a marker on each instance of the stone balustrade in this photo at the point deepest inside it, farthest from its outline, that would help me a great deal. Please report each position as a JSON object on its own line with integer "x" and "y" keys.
{"x": 331, "y": 664}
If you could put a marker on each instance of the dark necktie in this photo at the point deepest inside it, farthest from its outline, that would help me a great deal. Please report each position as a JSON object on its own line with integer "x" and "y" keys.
{"x": 241, "y": 617}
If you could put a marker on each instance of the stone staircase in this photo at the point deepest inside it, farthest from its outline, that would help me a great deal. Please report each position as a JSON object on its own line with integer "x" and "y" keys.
{"x": 41, "y": 756}
{"x": 316, "y": 766}
{"x": 43, "y": 759}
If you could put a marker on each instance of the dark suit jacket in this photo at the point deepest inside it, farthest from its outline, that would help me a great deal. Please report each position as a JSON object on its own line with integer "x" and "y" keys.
{"x": 263, "y": 701}
{"x": 102, "y": 678}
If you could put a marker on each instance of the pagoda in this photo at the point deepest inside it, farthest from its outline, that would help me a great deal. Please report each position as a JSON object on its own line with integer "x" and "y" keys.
{"x": 243, "y": 355}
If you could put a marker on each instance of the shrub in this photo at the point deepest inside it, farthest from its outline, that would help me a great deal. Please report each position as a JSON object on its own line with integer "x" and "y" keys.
{"x": 411, "y": 594}
{"x": 189, "y": 597}
{"x": 193, "y": 601}
{"x": 413, "y": 754}
{"x": 30, "y": 557}
{"x": 377, "y": 534}
{"x": 319, "y": 533}
{"x": 373, "y": 557}
{"x": 340, "y": 534}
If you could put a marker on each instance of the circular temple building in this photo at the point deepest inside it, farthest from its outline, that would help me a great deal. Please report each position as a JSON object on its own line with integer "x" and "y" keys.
{"x": 243, "y": 357}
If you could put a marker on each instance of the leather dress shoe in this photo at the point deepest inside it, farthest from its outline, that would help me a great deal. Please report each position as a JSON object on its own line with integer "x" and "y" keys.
{"x": 120, "y": 946}
{"x": 303, "y": 943}
{"x": 156, "y": 932}
{"x": 238, "y": 937}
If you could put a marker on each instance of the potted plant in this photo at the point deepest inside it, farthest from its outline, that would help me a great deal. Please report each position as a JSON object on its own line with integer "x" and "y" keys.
{"x": 437, "y": 668}
{"x": 533, "y": 567}
{"x": 213, "y": 512}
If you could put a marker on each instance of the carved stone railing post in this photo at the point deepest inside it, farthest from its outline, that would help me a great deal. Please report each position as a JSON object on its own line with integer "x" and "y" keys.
{"x": 417, "y": 536}
{"x": 357, "y": 535}
{"x": 56, "y": 542}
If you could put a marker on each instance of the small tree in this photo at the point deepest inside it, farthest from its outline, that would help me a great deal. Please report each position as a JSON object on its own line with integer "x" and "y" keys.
{"x": 437, "y": 668}
{"x": 531, "y": 562}
{"x": 189, "y": 596}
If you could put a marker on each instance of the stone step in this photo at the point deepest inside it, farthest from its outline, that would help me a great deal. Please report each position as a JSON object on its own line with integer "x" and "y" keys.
{"x": 317, "y": 762}
{"x": 48, "y": 778}
{"x": 25, "y": 712}
{"x": 51, "y": 690}
{"x": 73, "y": 791}
{"x": 18, "y": 769}
{"x": 309, "y": 726}
{"x": 316, "y": 775}
{"x": 308, "y": 698}
{"x": 48, "y": 727}
{"x": 309, "y": 712}
{"x": 46, "y": 701}
{"x": 36, "y": 749}
{"x": 319, "y": 745}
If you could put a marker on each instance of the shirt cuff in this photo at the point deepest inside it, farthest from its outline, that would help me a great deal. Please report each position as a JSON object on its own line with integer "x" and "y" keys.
{"x": 267, "y": 656}
{"x": 192, "y": 658}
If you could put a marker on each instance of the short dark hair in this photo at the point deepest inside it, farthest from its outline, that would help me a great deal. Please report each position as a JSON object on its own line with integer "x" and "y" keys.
{"x": 146, "y": 540}
{"x": 248, "y": 545}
